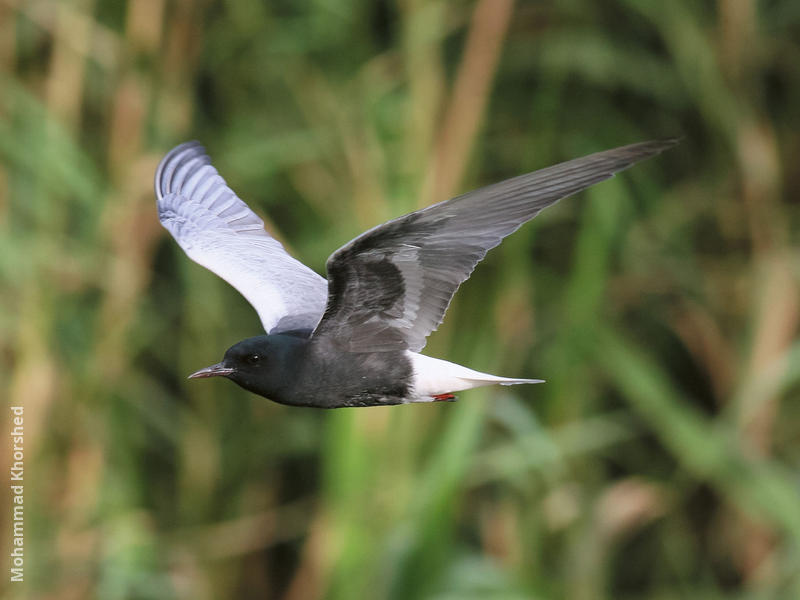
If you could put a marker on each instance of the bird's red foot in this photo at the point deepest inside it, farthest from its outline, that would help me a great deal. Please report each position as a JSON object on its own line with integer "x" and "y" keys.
{"x": 443, "y": 397}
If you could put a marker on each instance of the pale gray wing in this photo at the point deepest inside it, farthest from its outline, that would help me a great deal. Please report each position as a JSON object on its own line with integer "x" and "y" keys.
{"x": 220, "y": 232}
{"x": 389, "y": 288}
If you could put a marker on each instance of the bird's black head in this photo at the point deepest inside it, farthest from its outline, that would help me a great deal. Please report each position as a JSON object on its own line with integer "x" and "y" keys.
{"x": 262, "y": 364}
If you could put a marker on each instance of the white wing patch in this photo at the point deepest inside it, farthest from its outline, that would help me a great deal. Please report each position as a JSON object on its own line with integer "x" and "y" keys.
{"x": 218, "y": 230}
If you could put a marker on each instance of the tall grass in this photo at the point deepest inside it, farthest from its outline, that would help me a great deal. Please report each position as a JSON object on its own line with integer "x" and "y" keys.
{"x": 660, "y": 460}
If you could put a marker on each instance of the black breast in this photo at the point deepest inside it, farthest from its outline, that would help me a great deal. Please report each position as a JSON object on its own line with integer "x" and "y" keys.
{"x": 333, "y": 378}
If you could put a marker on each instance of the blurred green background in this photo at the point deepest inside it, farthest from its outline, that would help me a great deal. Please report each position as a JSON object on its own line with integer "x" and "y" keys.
{"x": 660, "y": 460}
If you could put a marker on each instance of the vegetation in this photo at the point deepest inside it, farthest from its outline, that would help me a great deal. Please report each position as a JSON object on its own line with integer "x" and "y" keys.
{"x": 661, "y": 458}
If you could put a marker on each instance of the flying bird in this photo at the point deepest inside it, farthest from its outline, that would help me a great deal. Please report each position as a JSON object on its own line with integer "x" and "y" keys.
{"x": 354, "y": 339}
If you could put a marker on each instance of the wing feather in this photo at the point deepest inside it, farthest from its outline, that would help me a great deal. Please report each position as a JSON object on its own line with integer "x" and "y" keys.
{"x": 389, "y": 288}
{"x": 218, "y": 230}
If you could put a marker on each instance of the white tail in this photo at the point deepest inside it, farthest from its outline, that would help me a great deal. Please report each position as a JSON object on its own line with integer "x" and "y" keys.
{"x": 436, "y": 377}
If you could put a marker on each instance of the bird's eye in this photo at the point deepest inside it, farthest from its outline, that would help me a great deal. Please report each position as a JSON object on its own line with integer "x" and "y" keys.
{"x": 253, "y": 359}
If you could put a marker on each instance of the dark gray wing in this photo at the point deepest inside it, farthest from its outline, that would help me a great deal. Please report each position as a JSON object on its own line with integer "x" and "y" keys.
{"x": 389, "y": 288}
{"x": 220, "y": 232}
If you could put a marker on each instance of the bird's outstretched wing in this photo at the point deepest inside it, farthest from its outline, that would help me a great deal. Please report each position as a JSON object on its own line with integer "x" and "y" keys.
{"x": 220, "y": 232}
{"x": 389, "y": 288}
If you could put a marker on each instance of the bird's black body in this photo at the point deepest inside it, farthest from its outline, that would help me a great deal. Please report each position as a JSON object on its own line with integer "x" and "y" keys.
{"x": 287, "y": 368}
{"x": 354, "y": 340}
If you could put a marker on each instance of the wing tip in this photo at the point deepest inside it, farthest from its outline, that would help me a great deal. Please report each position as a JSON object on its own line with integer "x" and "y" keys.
{"x": 171, "y": 160}
{"x": 644, "y": 150}
{"x": 624, "y": 157}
